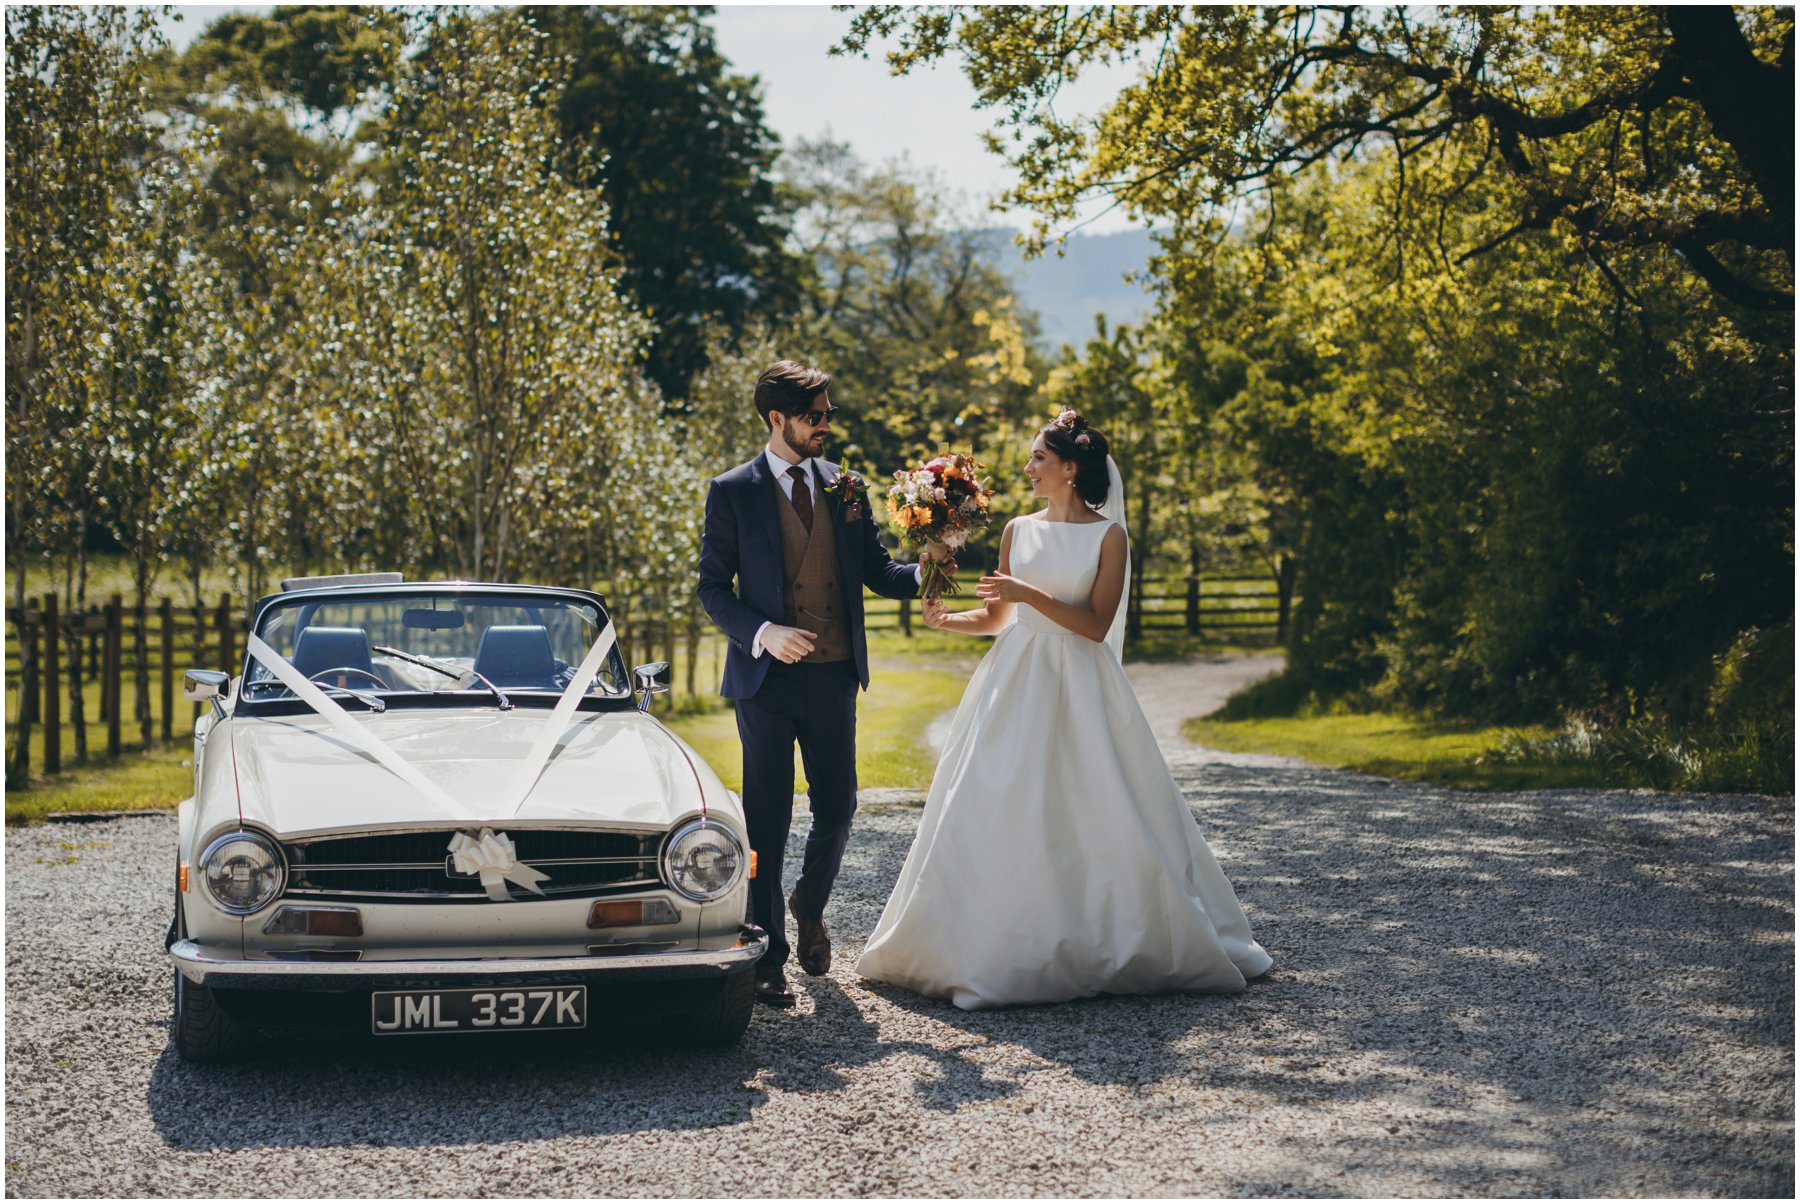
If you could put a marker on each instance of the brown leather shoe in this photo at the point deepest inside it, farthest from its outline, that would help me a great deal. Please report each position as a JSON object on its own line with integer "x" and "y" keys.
{"x": 813, "y": 948}
{"x": 774, "y": 990}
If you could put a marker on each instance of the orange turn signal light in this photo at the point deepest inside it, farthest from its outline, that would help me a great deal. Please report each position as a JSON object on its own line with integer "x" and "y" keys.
{"x": 753, "y": 863}
{"x": 630, "y": 913}
{"x": 315, "y": 921}
{"x": 184, "y": 878}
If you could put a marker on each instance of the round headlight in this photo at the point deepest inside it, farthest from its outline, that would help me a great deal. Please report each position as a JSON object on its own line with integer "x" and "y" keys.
{"x": 703, "y": 860}
{"x": 243, "y": 872}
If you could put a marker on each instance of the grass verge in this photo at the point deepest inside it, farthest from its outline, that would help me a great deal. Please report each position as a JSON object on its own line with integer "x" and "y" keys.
{"x": 1396, "y": 746}
{"x": 890, "y": 730}
{"x": 138, "y": 781}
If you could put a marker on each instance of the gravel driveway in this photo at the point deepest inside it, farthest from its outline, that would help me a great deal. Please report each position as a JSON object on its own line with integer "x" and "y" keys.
{"x": 1543, "y": 994}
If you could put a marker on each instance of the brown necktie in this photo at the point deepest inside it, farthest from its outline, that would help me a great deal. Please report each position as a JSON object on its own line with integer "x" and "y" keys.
{"x": 802, "y": 496}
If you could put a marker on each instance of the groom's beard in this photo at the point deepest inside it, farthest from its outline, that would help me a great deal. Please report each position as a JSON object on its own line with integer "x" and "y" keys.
{"x": 804, "y": 447}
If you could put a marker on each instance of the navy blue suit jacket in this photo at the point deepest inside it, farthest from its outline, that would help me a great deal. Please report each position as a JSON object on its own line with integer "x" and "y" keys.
{"x": 742, "y": 541}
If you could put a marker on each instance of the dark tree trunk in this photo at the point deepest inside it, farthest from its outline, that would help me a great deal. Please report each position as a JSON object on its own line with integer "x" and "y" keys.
{"x": 1750, "y": 103}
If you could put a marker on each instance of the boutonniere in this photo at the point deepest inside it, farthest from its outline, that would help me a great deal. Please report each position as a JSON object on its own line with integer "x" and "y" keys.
{"x": 849, "y": 489}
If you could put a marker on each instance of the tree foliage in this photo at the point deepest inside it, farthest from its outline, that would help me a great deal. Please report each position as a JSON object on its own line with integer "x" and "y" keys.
{"x": 75, "y": 119}
{"x": 675, "y": 141}
{"x": 908, "y": 309}
{"x": 1618, "y": 127}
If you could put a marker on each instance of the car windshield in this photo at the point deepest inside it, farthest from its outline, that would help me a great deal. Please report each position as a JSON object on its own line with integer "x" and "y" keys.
{"x": 424, "y": 643}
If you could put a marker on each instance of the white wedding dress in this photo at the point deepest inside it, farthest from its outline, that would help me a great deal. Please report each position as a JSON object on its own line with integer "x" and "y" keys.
{"x": 1056, "y": 858}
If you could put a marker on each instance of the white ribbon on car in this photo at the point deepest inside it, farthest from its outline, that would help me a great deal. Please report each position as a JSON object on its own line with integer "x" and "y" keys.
{"x": 491, "y": 856}
{"x": 553, "y": 728}
{"x": 352, "y": 731}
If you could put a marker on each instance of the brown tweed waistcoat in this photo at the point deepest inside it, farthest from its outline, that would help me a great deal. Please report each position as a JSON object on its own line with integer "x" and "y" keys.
{"x": 810, "y": 581}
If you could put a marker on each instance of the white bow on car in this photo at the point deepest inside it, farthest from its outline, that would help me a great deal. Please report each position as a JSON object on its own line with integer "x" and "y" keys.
{"x": 492, "y": 856}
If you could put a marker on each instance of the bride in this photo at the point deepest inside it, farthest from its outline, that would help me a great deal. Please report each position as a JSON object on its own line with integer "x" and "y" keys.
{"x": 1056, "y": 857}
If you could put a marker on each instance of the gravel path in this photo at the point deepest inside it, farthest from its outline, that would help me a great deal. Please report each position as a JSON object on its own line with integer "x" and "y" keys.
{"x": 1578, "y": 993}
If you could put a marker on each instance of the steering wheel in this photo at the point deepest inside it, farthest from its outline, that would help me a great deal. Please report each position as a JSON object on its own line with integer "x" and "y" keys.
{"x": 378, "y": 683}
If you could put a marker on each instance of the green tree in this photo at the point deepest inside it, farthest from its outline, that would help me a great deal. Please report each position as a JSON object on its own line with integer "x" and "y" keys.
{"x": 282, "y": 97}
{"x": 74, "y": 116}
{"x": 1617, "y": 127}
{"x": 675, "y": 141}
{"x": 909, "y": 312}
{"x": 499, "y": 267}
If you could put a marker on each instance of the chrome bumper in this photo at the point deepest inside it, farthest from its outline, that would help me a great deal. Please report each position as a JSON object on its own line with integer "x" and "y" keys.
{"x": 202, "y": 969}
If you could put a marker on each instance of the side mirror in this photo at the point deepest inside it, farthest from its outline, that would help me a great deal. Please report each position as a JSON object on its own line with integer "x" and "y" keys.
{"x": 653, "y": 679}
{"x": 205, "y": 685}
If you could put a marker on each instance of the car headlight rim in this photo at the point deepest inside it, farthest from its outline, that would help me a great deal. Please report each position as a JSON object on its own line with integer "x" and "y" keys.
{"x": 271, "y": 878}
{"x": 703, "y": 880}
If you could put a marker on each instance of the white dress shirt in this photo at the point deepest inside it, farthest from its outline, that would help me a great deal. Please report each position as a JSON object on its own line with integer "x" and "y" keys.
{"x": 780, "y": 467}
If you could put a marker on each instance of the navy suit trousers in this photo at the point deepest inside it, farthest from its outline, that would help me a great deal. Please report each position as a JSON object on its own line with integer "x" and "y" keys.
{"x": 814, "y": 705}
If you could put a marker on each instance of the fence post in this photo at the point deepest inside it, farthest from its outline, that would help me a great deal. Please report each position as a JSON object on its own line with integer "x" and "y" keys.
{"x": 76, "y": 633}
{"x": 1134, "y": 601}
{"x": 199, "y": 614}
{"x": 140, "y": 669}
{"x": 1193, "y": 605}
{"x": 693, "y": 654}
{"x": 1286, "y": 570}
{"x": 226, "y": 651}
{"x": 166, "y": 615}
{"x": 96, "y": 639}
{"x": 52, "y": 686}
{"x": 18, "y": 773}
{"x": 102, "y": 650}
{"x": 906, "y": 617}
{"x": 115, "y": 665}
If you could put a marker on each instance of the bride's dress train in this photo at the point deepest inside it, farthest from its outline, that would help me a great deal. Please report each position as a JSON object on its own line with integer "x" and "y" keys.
{"x": 1056, "y": 857}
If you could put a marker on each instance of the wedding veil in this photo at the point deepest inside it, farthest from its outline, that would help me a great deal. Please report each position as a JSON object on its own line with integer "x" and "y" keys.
{"x": 1114, "y": 508}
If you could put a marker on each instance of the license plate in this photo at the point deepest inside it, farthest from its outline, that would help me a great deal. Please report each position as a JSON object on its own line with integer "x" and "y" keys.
{"x": 477, "y": 1010}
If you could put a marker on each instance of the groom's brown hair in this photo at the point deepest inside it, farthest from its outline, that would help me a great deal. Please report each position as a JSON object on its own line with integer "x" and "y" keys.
{"x": 788, "y": 386}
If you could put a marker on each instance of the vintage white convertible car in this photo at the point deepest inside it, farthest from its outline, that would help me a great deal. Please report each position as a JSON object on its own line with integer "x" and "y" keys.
{"x": 442, "y": 809}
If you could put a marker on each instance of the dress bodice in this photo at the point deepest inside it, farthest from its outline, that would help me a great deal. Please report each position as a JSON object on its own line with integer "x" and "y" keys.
{"x": 1062, "y": 559}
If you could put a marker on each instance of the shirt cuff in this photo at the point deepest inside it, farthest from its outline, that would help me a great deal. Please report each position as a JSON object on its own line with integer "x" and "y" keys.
{"x": 756, "y": 648}
{"x": 918, "y": 572}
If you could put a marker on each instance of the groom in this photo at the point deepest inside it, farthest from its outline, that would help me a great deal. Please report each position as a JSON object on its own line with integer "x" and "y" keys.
{"x": 800, "y": 558}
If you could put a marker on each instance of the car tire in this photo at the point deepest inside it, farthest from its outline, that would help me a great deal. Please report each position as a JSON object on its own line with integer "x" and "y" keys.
{"x": 724, "y": 1021}
{"x": 202, "y": 1030}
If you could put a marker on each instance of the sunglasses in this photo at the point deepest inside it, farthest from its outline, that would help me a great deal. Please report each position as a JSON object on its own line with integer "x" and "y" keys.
{"x": 813, "y": 418}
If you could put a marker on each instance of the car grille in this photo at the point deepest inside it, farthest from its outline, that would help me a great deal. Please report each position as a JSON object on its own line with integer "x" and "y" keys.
{"x": 417, "y": 865}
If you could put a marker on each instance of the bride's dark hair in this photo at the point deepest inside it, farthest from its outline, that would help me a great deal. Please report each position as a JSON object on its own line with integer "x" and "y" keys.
{"x": 1070, "y": 437}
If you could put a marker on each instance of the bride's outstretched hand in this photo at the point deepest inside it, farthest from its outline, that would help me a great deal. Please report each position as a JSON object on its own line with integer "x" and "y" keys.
{"x": 998, "y": 587}
{"x": 934, "y": 612}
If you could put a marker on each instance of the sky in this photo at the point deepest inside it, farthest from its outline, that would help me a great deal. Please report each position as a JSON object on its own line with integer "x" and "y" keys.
{"x": 928, "y": 118}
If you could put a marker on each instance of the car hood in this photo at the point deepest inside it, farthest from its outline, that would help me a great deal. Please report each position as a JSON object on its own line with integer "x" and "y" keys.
{"x": 295, "y": 775}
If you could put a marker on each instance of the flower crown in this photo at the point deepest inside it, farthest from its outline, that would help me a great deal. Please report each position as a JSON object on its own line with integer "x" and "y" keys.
{"x": 1074, "y": 423}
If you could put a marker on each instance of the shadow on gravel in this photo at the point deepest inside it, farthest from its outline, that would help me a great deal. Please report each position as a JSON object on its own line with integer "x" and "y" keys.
{"x": 310, "y": 1091}
{"x": 1532, "y": 989}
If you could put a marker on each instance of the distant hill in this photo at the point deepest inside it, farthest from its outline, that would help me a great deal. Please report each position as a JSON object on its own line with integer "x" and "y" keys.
{"x": 1088, "y": 278}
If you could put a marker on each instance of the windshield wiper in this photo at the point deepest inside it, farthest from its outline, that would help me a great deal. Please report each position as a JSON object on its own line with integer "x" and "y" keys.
{"x": 375, "y": 705}
{"x": 425, "y": 662}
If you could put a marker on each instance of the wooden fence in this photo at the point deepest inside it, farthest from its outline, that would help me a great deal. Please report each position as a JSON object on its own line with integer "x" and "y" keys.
{"x": 57, "y": 661}
{"x": 1214, "y": 606}
{"x": 60, "y": 663}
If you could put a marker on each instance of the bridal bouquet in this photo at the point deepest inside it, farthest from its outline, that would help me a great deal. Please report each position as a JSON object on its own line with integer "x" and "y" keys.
{"x": 944, "y": 500}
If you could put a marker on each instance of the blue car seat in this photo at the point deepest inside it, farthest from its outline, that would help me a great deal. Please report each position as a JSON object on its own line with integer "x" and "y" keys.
{"x": 322, "y": 648}
{"x": 516, "y": 656}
